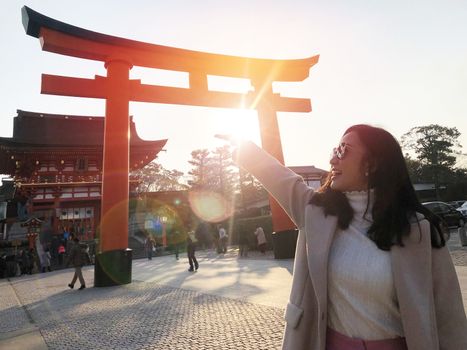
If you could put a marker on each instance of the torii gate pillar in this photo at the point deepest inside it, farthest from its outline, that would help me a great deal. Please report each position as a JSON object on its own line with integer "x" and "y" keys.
{"x": 271, "y": 142}
{"x": 113, "y": 262}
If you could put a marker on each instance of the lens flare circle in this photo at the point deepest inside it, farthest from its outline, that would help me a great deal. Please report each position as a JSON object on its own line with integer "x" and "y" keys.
{"x": 210, "y": 206}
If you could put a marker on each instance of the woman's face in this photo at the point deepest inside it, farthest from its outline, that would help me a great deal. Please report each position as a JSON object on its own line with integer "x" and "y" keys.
{"x": 349, "y": 170}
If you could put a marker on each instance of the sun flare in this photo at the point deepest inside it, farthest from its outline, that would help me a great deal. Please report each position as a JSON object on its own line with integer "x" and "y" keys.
{"x": 241, "y": 124}
{"x": 210, "y": 206}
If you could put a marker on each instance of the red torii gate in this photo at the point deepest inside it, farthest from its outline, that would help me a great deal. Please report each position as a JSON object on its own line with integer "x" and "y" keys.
{"x": 113, "y": 262}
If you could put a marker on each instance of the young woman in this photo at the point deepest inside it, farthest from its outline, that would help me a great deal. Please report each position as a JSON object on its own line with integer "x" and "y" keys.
{"x": 371, "y": 268}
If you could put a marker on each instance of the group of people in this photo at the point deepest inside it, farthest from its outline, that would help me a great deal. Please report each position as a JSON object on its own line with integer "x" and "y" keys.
{"x": 190, "y": 248}
{"x": 25, "y": 262}
{"x": 221, "y": 245}
{"x": 22, "y": 263}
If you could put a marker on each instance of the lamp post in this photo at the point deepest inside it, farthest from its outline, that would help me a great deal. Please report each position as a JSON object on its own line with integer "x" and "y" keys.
{"x": 31, "y": 239}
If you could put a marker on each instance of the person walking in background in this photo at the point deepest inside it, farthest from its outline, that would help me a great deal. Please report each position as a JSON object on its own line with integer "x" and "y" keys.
{"x": 177, "y": 251}
{"x": 46, "y": 260}
{"x": 32, "y": 258}
{"x": 371, "y": 268}
{"x": 149, "y": 246}
{"x": 61, "y": 253}
{"x": 261, "y": 239}
{"x": 176, "y": 239}
{"x": 190, "y": 249}
{"x": 223, "y": 237}
{"x": 23, "y": 262}
{"x": 75, "y": 257}
{"x": 243, "y": 243}
{"x": 39, "y": 254}
{"x": 70, "y": 242}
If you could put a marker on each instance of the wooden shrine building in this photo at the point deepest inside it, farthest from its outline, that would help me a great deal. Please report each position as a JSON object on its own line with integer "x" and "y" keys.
{"x": 56, "y": 165}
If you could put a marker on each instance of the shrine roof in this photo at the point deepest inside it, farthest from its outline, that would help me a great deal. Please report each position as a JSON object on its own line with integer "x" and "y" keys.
{"x": 45, "y": 129}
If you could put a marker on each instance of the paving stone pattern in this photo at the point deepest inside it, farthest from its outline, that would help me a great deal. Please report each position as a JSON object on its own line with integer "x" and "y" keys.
{"x": 458, "y": 252}
{"x": 13, "y": 317}
{"x": 147, "y": 316}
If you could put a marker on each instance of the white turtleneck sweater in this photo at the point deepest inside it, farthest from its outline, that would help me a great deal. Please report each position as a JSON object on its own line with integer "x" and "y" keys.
{"x": 362, "y": 301}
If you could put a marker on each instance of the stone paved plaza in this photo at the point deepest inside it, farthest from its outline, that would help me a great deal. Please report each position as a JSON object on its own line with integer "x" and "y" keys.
{"x": 230, "y": 303}
{"x": 144, "y": 314}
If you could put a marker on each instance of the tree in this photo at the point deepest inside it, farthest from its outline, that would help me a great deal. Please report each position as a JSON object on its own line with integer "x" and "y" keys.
{"x": 435, "y": 147}
{"x": 154, "y": 178}
{"x": 250, "y": 188}
{"x": 200, "y": 171}
{"x": 416, "y": 169}
{"x": 224, "y": 178}
{"x": 213, "y": 171}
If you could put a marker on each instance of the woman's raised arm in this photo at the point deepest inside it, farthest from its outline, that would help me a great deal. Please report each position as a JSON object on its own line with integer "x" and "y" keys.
{"x": 283, "y": 184}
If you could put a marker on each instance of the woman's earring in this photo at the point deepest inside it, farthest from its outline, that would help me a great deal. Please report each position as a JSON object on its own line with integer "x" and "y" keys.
{"x": 366, "y": 173}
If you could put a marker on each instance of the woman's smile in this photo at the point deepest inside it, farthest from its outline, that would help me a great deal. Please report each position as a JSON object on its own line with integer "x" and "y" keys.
{"x": 335, "y": 173}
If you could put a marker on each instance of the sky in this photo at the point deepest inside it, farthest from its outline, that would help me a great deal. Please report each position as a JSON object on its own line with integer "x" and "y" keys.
{"x": 394, "y": 64}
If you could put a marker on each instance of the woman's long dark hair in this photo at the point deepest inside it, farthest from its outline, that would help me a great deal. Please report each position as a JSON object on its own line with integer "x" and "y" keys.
{"x": 395, "y": 201}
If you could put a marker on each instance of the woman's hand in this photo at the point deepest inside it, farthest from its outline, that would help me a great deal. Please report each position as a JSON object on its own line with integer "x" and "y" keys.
{"x": 233, "y": 141}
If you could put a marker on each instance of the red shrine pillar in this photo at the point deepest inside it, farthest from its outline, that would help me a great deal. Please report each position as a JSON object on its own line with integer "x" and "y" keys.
{"x": 113, "y": 262}
{"x": 285, "y": 233}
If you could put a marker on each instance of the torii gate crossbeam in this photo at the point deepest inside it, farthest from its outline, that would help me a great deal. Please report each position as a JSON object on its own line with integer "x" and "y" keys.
{"x": 113, "y": 262}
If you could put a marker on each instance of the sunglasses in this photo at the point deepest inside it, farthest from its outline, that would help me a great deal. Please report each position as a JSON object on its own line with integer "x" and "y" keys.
{"x": 340, "y": 151}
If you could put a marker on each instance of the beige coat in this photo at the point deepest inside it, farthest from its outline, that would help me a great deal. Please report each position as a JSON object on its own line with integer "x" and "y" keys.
{"x": 427, "y": 288}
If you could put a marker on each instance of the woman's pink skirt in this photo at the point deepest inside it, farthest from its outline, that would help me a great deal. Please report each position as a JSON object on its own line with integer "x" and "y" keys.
{"x": 338, "y": 341}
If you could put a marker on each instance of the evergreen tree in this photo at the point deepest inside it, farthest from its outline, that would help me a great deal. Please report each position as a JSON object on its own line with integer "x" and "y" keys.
{"x": 435, "y": 147}
{"x": 154, "y": 178}
{"x": 200, "y": 172}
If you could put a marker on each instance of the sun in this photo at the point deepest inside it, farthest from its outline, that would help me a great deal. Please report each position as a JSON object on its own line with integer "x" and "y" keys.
{"x": 240, "y": 123}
